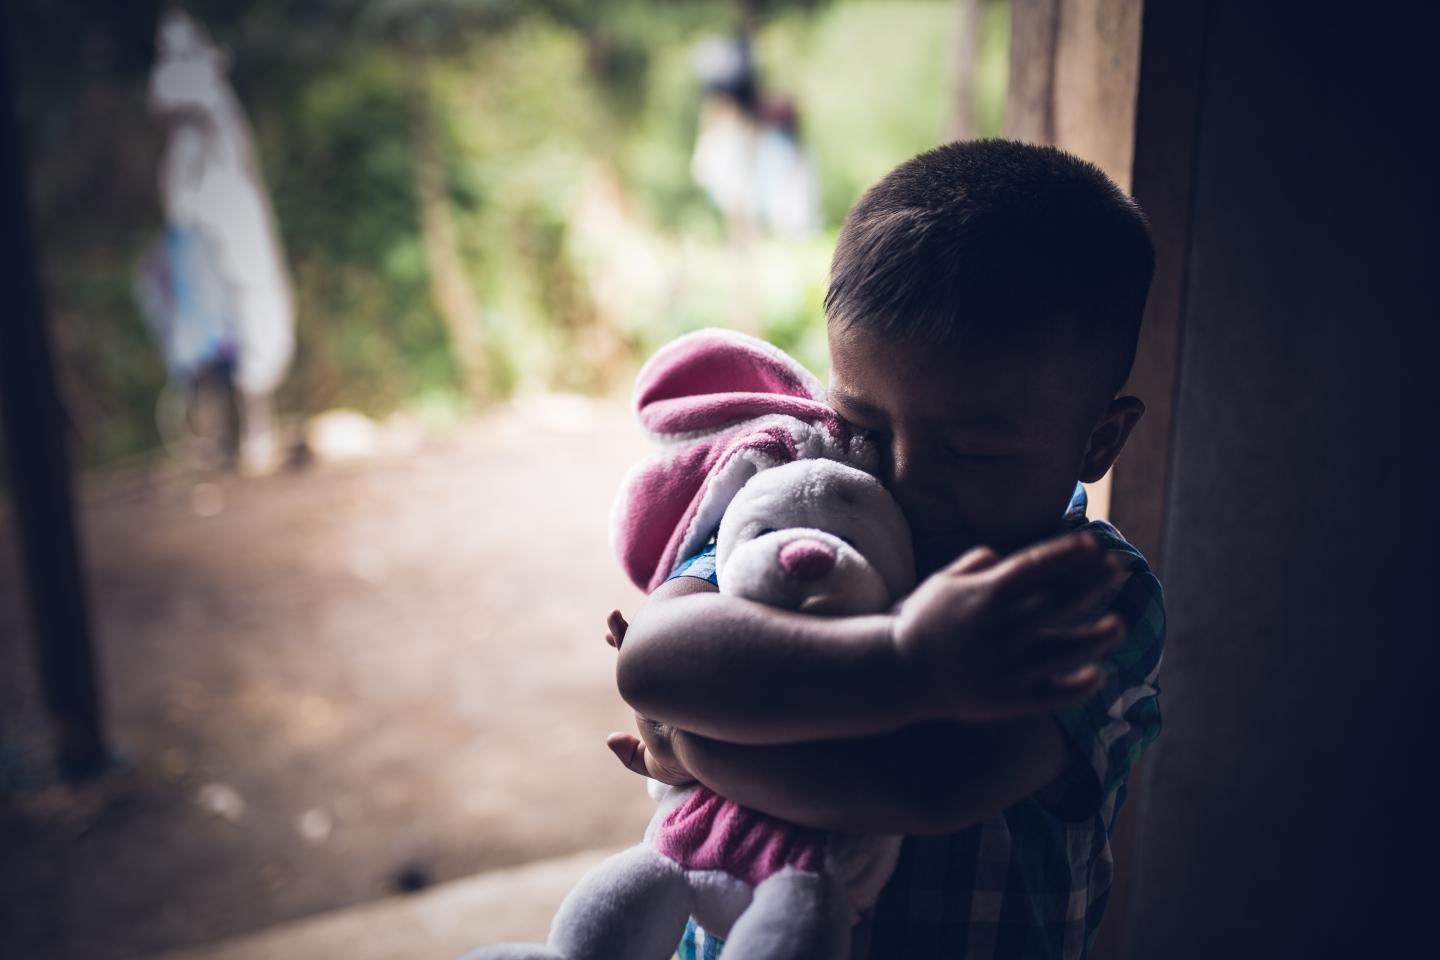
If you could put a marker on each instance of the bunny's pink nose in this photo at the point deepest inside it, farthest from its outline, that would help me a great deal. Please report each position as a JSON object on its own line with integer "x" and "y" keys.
{"x": 806, "y": 559}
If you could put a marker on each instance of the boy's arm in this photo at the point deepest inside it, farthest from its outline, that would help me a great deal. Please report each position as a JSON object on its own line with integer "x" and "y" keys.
{"x": 977, "y": 641}
{"x": 750, "y": 673}
{"x": 940, "y": 777}
{"x": 928, "y": 779}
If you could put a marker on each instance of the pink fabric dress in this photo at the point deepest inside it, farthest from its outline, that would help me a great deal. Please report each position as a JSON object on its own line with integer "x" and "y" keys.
{"x": 708, "y": 832}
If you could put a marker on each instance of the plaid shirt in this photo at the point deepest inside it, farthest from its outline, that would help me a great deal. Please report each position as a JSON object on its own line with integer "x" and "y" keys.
{"x": 1033, "y": 881}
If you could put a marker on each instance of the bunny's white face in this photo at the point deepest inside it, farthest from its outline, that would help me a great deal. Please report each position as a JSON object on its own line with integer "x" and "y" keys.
{"x": 815, "y": 536}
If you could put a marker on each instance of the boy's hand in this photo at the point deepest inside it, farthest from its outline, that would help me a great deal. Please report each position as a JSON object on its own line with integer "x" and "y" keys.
{"x": 615, "y": 627}
{"x": 652, "y": 754}
{"x": 991, "y": 639}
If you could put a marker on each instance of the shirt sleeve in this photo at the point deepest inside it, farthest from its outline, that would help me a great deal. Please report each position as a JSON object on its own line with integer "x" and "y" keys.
{"x": 1108, "y": 732}
{"x": 701, "y": 565}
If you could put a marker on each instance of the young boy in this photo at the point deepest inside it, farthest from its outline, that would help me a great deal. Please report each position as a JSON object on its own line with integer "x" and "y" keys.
{"x": 983, "y": 310}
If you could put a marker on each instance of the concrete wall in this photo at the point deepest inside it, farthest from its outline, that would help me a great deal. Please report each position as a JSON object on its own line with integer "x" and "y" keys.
{"x": 1285, "y": 810}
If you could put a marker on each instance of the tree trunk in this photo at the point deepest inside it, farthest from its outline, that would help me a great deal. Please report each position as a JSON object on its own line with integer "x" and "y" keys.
{"x": 450, "y": 287}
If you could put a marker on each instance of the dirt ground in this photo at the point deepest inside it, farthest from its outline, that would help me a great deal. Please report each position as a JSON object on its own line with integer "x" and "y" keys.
{"x": 327, "y": 685}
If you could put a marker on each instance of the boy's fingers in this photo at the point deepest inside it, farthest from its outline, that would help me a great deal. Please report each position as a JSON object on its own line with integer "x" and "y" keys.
{"x": 1085, "y": 594}
{"x": 629, "y": 750}
{"x": 1047, "y": 604}
{"x": 1103, "y": 632}
{"x": 1071, "y": 688}
{"x": 1060, "y": 652}
{"x": 639, "y": 758}
{"x": 1040, "y": 567}
{"x": 616, "y": 625}
{"x": 974, "y": 560}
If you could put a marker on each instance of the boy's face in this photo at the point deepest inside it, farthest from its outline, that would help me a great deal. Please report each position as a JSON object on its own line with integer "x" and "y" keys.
{"x": 981, "y": 445}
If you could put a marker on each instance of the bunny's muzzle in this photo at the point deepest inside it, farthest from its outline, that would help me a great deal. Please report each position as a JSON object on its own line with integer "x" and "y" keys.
{"x": 806, "y": 558}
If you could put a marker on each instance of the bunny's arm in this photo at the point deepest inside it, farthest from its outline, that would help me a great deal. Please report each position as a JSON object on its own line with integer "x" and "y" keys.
{"x": 745, "y": 672}
{"x": 927, "y": 779}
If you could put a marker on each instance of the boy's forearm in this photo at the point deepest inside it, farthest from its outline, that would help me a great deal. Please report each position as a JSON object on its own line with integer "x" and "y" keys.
{"x": 926, "y": 779}
{"x": 847, "y": 786}
{"x": 746, "y": 673}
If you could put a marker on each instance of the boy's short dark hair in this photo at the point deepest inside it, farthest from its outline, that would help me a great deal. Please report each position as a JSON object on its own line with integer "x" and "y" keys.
{"x": 997, "y": 239}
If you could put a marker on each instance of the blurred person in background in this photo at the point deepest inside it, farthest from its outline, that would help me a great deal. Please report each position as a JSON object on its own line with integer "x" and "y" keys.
{"x": 750, "y": 162}
{"x": 215, "y": 289}
{"x": 749, "y": 157}
{"x": 786, "y": 188}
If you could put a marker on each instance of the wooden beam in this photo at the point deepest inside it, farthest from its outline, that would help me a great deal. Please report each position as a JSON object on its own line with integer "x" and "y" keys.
{"x": 1167, "y": 110}
{"x": 40, "y": 469}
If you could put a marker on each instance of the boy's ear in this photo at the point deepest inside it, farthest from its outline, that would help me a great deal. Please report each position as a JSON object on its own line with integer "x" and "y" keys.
{"x": 1108, "y": 436}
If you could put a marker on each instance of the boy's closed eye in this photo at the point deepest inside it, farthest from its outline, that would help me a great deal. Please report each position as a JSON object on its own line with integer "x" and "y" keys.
{"x": 959, "y": 453}
{"x": 865, "y": 424}
{"x": 868, "y": 431}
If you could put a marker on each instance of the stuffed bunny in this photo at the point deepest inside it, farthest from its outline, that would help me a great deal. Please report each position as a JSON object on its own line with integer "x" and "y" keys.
{"x": 759, "y": 452}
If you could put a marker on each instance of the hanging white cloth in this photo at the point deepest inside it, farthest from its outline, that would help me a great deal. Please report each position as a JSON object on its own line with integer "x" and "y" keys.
{"x": 210, "y": 184}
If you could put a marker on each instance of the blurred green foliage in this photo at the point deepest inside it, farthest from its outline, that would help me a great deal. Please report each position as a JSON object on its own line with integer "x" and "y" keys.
{"x": 565, "y": 130}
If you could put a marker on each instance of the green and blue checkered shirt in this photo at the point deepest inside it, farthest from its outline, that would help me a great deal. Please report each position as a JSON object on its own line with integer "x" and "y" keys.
{"x": 1031, "y": 883}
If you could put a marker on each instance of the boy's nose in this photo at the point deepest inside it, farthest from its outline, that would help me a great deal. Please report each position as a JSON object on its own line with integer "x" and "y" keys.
{"x": 806, "y": 559}
{"x": 910, "y": 478}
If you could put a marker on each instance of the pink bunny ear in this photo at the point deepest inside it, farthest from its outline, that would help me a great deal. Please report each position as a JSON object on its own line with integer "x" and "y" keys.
{"x": 710, "y": 378}
{"x": 724, "y": 405}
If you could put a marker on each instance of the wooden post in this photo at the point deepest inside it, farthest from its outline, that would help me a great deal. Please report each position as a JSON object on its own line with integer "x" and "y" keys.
{"x": 967, "y": 52}
{"x": 40, "y": 469}
{"x": 1073, "y": 79}
{"x": 1162, "y": 131}
{"x": 1167, "y": 108}
{"x": 1030, "y": 96}
{"x": 1097, "y": 56}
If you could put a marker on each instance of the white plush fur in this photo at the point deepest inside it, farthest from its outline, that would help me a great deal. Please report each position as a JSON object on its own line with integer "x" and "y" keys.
{"x": 822, "y": 500}
{"x": 634, "y": 905}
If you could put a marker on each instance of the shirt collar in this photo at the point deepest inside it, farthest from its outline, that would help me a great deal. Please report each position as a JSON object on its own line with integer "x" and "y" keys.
{"x": 1079, "y": 503}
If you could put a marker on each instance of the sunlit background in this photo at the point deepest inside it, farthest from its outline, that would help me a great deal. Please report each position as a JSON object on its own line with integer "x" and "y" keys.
{"x": 349, "y": 615}
{"x": 536, "y": 157}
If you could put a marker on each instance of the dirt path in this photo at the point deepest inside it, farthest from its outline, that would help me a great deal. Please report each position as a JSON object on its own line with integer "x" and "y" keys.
{"x": 348, "y": 679}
